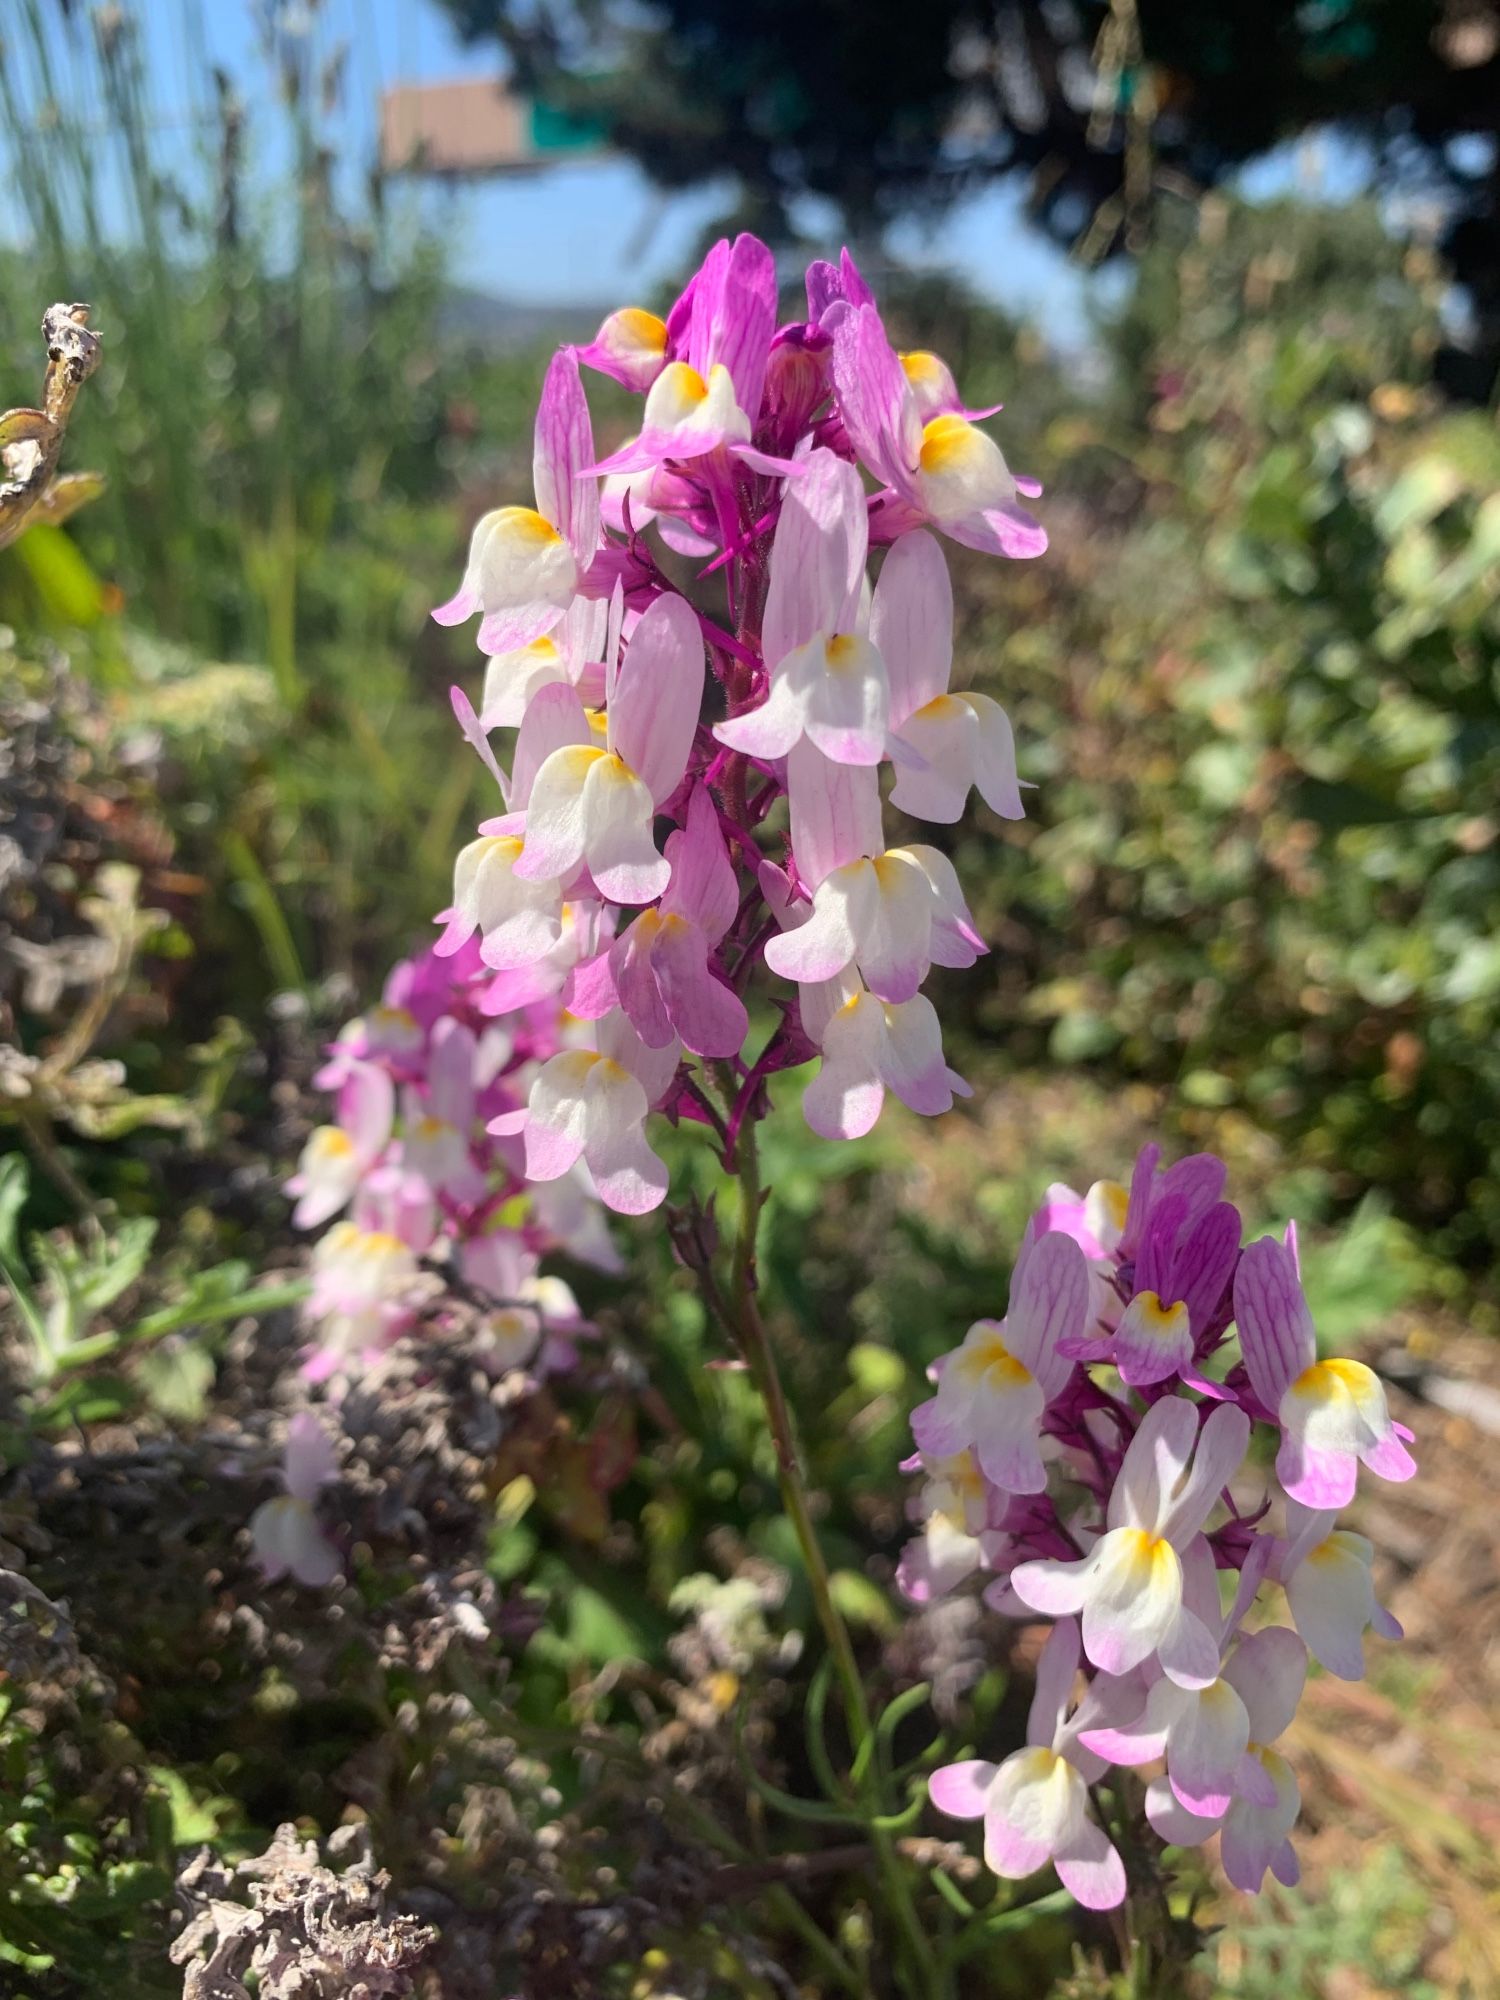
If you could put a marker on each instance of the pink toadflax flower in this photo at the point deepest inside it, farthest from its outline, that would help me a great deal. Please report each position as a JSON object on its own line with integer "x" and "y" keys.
{"x": 1327, "y": 1574}
{"x": 943, "y": 469}
{"x": 1129, "y": 1587}
{"x": 707, "y": 400}
{"x": 660, "y": 970}
{"x": 572, "y": 653}
{"x": 432, "y": 1183}
{"x": 870, "y": 1046}
{"x": 630, "y": 347}
{"x": 1332, "y": 1414}
{"x": 1141, "y": 1517}
{"x": 362, "y": 1281}
{"x": 892, "y": 916}
{"x": 1035, "y": 1805}
{"x": 943, "y": 744}
{"x": 1202, "y": 1732}
{"x": 960, "y": 1515}
{"x": 525, "y": 564}
{"x": 994, "y": 1391}
{"x": 827, "y": 681}
{"x": 592, "y": 802}
{"x": 285, "y": 1533}
{"x": 337, "y": 1157}
{"x": 1267, "y": 1672}
{"x": 591, "y": 1105}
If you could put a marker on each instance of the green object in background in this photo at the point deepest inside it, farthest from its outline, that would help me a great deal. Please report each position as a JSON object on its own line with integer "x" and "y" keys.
{"x": 67, "y": 591}
{"x": 556, "y": 131}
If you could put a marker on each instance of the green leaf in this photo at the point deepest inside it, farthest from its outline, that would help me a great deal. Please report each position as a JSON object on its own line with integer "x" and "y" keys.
{"x": 32, "y": 1318}
{"x": 1356, "y": 1282}
{"x": 98, "y": 1277}
{"x": 878, "y": 1371}
{"x": 1338, "y": 805}
{"x": 895, "y": 1713}
{"x": 88, "y": 1399}
{"x": 861, "y": 1602}
{"x": 194, "y": 1821}
{"x": 61, "y": 1307}
{"x": 794, "y": 1808}
{"x": 1421, "y": 493}
{"x": 71, "y": 593}
{"x": 15, "y": 1185}
{"x": 1080, "y": 1037}
{"x": 816, "y": 1732}
{"x": 598, "y": 1631}
{"x": 213, "y": 1295}
{"x": 177, "y": 1377}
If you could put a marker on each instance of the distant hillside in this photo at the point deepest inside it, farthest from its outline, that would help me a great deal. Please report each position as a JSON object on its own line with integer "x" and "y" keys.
{"x": 470, "y": 315}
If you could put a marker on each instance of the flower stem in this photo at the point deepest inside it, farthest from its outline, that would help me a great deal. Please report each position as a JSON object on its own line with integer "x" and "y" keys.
{"x": 743, "y": 1312}
{"x": 761, "y": 1356}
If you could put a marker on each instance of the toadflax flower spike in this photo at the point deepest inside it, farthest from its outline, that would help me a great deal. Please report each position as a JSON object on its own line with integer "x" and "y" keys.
{"x": 1143, "y": 1514}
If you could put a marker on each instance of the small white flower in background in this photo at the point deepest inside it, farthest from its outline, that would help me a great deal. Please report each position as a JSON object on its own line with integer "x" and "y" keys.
{"x": 287, "y": 1538}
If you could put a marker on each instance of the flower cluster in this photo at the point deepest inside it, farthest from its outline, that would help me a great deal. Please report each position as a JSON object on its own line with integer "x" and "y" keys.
{"x": 631, "y": 867}
{"x": 1088, "y": 1453}
{"x": 414, "y": 1172}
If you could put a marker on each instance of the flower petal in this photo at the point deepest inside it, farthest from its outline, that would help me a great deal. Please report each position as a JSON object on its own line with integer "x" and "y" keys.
{"x": 1037, "y": 1805}
{"x": 1091, "y": 1870}
{"x": 654, "y": 706}
{"x": 1134, "y": 1599}
{"x": 913, "y": 1065}
{"x": 845, "y": 1098}
{"x": 1275, "y": 1327}
{"x": 995, "y": 758}
{"x": 703, "y": 886}
{"x": 708, "y": 1015}
{"x": 817, "y": 557}
{"x": 557, "y": 822}
{"x": 1268, "y": 1670}
{"x": 819, "y": 949}
{"x": 556, "y": 1114}
{"x": 1049, "y": 1300}
{"x": 911, "y": 624}
{"x": 1208, "y": 1737}
{"x": 620, "y": 844}
{"x": 892, "y": 941}
{"x": 562, "y": 447}
{"x": 962, "y": 1790}
{"x": 847, "y": 703}
{"x": 835, "y": 813}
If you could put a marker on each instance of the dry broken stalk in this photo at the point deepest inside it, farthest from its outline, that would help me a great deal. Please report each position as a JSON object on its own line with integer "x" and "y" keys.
{"x": 31, "y": 441}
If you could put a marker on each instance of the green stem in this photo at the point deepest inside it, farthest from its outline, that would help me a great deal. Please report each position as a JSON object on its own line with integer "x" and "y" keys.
{"x": 761, "y": 1357}
{"x": 743, "y": 1312}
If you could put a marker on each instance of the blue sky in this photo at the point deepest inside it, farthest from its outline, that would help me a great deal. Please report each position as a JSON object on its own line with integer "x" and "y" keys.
{"x": 592, "y": 232}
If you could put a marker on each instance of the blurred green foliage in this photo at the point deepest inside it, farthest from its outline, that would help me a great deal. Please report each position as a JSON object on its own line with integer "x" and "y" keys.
{"x": 282, "y": 431}
{"x": 1258, "y": 677}
{"x": 86, "y": 1860}
{"x": 1365, "y": 1924}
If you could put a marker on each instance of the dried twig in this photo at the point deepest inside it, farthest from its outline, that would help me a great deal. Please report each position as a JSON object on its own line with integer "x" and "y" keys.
{"x": 31, "y": 441}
